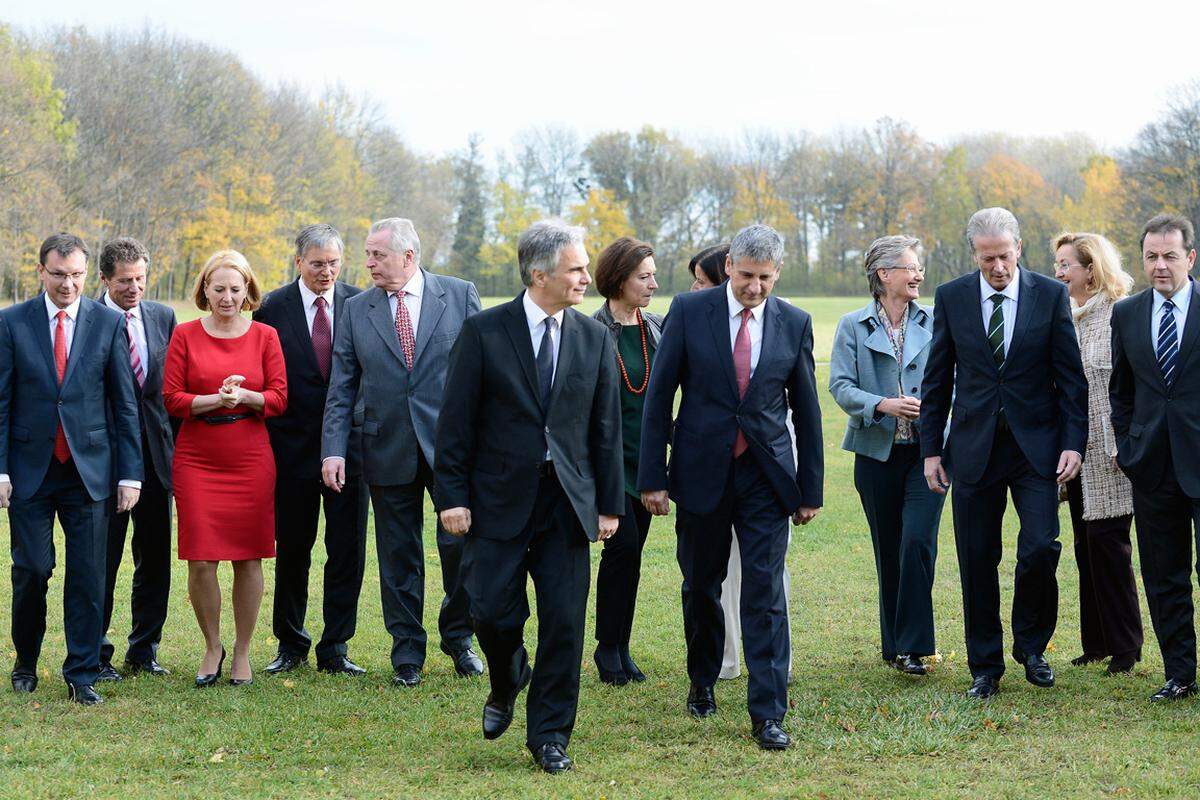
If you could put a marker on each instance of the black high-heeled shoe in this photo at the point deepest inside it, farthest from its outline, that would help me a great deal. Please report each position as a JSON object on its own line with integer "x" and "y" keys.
{"x": 204, "y": 681}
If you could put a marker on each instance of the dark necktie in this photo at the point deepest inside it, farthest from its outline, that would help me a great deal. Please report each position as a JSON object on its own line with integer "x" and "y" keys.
{"x": 322, "y": 338}
{"x": 1167, "y": 349}
{"x": 545, "y": 363}
{"x": 996, "y": 330}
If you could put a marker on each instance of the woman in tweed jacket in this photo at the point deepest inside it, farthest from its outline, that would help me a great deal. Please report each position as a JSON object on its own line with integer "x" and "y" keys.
{"x": 1100, "y": 499}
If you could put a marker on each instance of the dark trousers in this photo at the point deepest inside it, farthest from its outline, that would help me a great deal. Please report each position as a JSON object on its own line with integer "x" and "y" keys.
{"x": 399, "y": 526}
{"x": 903, "y": 515}
{"x": 151, "y": 547}
{"x": 618, "y": 575}
{"x": 85, "y": 526}
{"x": 297, "y": 515}
{"x": 1166, "y": 523}
{"x": 552, "y": 550}
{"x": 750, "y": 506}
{"x": 1110, "y": 622}
{"x": 978, "y": 514}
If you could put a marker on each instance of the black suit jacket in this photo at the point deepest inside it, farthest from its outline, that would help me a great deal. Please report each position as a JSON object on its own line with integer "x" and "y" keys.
{"x": 157, "y": 426}
{"x": 695, "y": 354}
{"x": 296, "y": 434}
{"x": 492, "y": 432}
{"x": 1042, "y": 388}
{"x": 1148, "y": 419}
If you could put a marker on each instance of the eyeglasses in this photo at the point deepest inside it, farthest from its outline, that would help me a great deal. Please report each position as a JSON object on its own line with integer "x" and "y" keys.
{"x": 323, "y": 265}
{"x": 918, "y": 269}
{"x": 62, "y": 276}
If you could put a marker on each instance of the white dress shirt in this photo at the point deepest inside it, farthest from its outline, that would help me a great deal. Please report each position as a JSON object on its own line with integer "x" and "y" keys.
{"x": 754, "y": 326}
{"x": 136, "y": 327}
{"x": 309, "y": 298}
{"x": 412, "y": 299}
{"x": 1182, "y": 299}
{"x": 1008, "y": 307}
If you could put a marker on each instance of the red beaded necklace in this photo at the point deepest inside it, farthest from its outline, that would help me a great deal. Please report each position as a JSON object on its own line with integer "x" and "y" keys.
{"x": 645, "y": 359}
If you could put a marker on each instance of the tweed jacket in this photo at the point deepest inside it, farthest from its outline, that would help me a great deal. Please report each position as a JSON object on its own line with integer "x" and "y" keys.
{"x": 1106, "y": 491}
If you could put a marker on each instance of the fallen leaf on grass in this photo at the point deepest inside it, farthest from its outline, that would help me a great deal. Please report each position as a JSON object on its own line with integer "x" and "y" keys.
{"x": 849, "y": 727}
{"x": 289, "y": 683}
{"x": 217, "y": 757}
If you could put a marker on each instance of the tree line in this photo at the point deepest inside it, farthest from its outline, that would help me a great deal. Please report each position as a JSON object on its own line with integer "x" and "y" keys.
{"x": 177, "y": 143}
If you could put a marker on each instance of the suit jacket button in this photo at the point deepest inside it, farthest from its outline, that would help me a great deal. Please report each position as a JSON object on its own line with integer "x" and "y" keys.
{"x": 912, "y": 366}
{"x": 546, "y": 430}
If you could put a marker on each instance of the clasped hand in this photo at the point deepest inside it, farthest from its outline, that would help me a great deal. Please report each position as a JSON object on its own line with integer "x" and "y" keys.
{"x": 902, "y": 407}
{"x": 231, "y": 391}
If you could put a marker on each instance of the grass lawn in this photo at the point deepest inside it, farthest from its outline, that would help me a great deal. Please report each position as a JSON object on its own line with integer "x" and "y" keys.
{"x": 861, "y": 730}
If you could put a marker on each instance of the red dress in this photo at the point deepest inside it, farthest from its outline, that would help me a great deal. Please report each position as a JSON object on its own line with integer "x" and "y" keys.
{"x": 224, "y": 475}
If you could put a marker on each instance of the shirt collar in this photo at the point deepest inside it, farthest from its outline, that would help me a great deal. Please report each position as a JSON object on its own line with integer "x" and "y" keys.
{"x": 736, "y": 308}
{"x": 72, "y": 310}
{"x": 534, "y": 314}
{"x": 1010, "y": 292}
{"x": 415, "y": 285}
{"x": 136, "y": 310}
{"x": 1181, "y": 298}
{"x": 309, "y": 296}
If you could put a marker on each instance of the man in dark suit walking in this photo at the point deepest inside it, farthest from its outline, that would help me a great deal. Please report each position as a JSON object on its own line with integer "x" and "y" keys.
{"x": 68, "y": 439}
{"x": 1004, "y": 352}
{"x": 389, "y": 358}
{"x": 530, "y": 470}
{"x": 742, "y": 359}
{"x": 148, "y": 326}
{"x": 1154, "y": 391}
{"x": 305, "y": 313}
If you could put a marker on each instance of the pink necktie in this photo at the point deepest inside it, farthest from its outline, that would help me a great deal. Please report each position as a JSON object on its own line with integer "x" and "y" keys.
{"x": 135, "y": 361}
{"x": 322, "y": 338}
{"x": 62, "y": 451}
{"x": 741, "y": 367}
{"x": 404, "y": 329}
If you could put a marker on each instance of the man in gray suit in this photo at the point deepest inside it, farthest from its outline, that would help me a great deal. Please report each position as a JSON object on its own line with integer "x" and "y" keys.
{"x": 390, "y": 351}
{"x": 123, "y": 264}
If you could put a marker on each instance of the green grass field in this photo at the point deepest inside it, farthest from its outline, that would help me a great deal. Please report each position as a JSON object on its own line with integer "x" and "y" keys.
{"x": 861, "y": 730}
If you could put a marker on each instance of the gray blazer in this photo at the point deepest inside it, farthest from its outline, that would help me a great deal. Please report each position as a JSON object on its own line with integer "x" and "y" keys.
{"x": 399, "y": 407}
{"x": 862, "y": 371}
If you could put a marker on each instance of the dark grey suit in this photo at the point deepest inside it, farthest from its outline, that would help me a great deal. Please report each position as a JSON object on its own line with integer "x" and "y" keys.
{"x": 399, "y": 419}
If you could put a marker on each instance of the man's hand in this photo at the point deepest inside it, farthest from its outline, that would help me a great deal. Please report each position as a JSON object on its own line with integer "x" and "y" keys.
{"x": 935, "y": 475}
{"x": 5, "y": 493}
{"x": 333, "y": 472}
{"x": 900, "y": 407}
{"x": 127, "y": 498}
{"x": 608, "y": 526}
{"x": 457, "y": 521}
{"x": 1068, "y": 465}
{"x": 804, "y": 515}
{"x": 657, "y": 502}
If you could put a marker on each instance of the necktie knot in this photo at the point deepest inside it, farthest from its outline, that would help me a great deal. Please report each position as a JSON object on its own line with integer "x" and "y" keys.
{"x": 1168, "y": 306}
{"x": 997, "y": 298}
{"x": 746, "y": 314}
{"x": 550, "y": 323}
{"x": 319, "y": 302}
{"x": 61, "y": 315}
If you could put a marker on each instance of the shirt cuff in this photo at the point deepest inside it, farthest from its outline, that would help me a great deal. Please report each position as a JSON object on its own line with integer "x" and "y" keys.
{"x": 327, "y": 458}
{"x": 4, "y": 478}
{"x": 130, "y": 484}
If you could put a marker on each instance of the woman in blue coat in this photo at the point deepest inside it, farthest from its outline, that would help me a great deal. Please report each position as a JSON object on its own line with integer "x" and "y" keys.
{"x": 875, "y": 371}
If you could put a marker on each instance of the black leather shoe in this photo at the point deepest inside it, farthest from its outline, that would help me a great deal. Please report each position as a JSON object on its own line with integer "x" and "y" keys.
{"x": 406, "y": 675}
{"x": 608, "y": 664}
{"x": 631, "y": 669}
{"x": 908, "y": 664}
{"x": 24, "y": 682}
{"x": 108, "y": 673}
{"x": 770, "y": 735}
{"x": 340, "y": 665}
{"x": 83, "y": 694}
{"x": 1037, "y": 670}
{"x": 701, "y": 702}
{"x": 983, "y": 687}
{"x": 241, "y": 681}
{"x": 284, "y": 662}
{"x": 1173, "y": 690}
{"x": 552, "y": 758}
{"x": 1085, "y": 659}
{"x": 498, "y": 713}
{"x": 1123, "y": 663}
{"x": 467, "y": 663}
{"x": 204, "y": 681}
{"x": 148, "y": 667}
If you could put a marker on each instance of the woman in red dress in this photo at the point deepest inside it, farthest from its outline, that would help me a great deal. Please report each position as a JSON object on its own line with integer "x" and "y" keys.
{"x": 224, "y": 375}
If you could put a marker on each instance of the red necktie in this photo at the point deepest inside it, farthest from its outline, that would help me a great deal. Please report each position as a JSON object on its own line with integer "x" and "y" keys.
{"x": 741, "y": 366}
{"x": 61, "y": 450}
{"x": 135, "y": 360}
{"x": 322, "y": 339}
{"x": 404, "y": 329}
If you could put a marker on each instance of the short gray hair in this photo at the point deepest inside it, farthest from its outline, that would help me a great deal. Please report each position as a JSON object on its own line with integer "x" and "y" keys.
{"x": 994, "y": 221}
{"x": 404, "y": 235}
{"x": 883, "y": 253}
{"x": 541, "y": 246}
{"x": 320, "y": 235}
{"x": 757, "y": 243}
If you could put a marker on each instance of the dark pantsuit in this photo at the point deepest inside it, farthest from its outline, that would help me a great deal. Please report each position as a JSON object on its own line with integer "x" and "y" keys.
{"x": 151, "y": 547}
{"x": 978, "y": 515}
{"x": 85, "y": 526}
{"x": 399, "y": 525}
{"x": 903, "y": 515}
{"x": 751, "y": 507}
{"x": 1166, "y": 523}
{"x": 1110, "y": 622}
{"x": 297, "y": 516}
{"x": 553, "y": 550}
{"x": 619, "y": 573}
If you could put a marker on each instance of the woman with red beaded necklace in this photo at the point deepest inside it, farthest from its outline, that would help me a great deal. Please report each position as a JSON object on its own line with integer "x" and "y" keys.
{"x": 625, "y": 278}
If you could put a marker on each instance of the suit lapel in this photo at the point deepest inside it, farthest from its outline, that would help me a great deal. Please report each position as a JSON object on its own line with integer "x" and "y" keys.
{"x": 1143, "y": 352}
{"x": 40, "y": 324}
{"x": 772, "y": 320}
{"x": 1027, "y": 299}
{"x": 517, "y": 328}
{"x": 380, "y": 314}
{"x": 916, "y": 336}
{"x": 974, "y": 307}
{"x": 568, "y": 343}
{"x": 1190, "y": 325}
{"x": 293, "y": 306}
{"x": 83, "y": 322}
{"x": 432, "y": 306}
{"x": 718, "y": 319}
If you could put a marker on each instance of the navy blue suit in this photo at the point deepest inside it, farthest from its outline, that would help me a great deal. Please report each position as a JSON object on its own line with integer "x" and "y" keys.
{"x": 1008, "y": 429}
{"x": 98, "y": 408}
{"x": 754, "y": 493}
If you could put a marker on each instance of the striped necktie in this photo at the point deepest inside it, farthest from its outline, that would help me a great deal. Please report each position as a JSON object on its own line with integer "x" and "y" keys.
{"x": 996, "y": 330}
{"x": 1167, "y": 349}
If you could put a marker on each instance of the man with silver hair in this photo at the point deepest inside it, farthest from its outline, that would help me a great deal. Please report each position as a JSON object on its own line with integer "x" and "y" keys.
{"x": 306, "y": 313}
{"x": 389, "y": 369}
{"x": 741, "y": 358}
{"x": 530, "y": 463}
{"x": 1004, "y": 354}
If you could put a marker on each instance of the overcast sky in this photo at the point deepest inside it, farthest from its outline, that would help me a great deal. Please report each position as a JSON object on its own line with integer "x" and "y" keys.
{"x": 443, "y": 69}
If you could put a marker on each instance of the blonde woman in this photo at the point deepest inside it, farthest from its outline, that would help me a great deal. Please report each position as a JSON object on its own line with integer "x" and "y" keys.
{"x": 1100, "y": 498}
